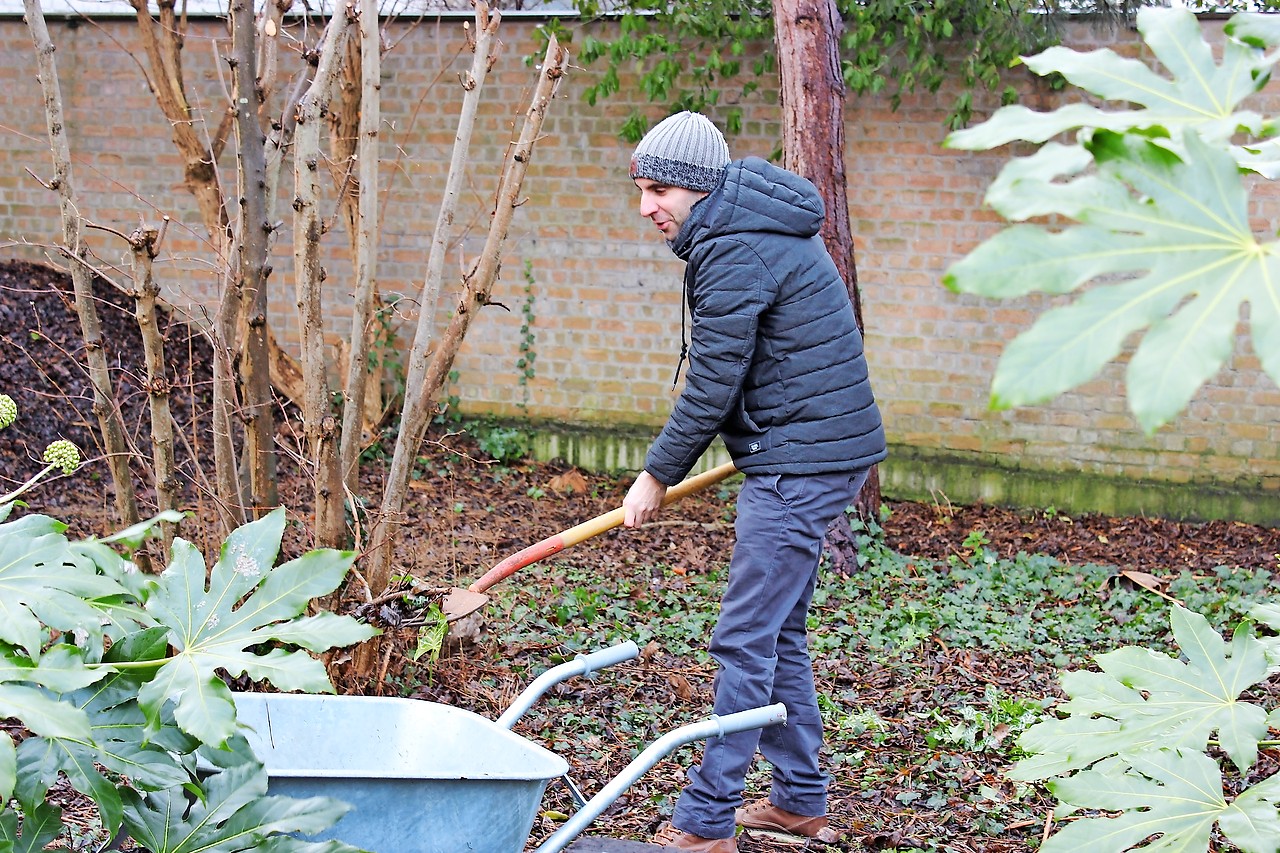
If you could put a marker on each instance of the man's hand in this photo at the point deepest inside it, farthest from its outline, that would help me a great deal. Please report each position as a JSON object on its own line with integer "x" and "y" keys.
{"x": 644, "y": 500}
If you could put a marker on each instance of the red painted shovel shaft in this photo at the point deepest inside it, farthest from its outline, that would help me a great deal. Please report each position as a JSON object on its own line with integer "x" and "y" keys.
{"x": 587, "y": 529}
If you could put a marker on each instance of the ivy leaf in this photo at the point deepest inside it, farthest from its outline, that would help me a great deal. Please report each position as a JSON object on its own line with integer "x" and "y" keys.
{"x": 1144, "y": 700}
{"x": 247, "y": 604}
{"x": 1170, "y": 793}
{"x": 1179, "y": 234}
{"x": 1198, "y": 93}
{"x": 232, "y": 814}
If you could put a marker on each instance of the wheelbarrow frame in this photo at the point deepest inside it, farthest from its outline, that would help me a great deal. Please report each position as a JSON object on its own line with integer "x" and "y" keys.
{"x": 510, "y": 800}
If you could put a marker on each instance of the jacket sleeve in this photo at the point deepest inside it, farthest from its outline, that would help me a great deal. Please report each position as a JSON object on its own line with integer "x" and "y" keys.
{"x": 730, "y": 289}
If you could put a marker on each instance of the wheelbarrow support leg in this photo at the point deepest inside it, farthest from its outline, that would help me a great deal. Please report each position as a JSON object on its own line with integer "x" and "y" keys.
{"x": 711, "y": 727}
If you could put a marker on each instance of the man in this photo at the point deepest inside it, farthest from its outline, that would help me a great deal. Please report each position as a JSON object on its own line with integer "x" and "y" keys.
{"x": 776, "y": 368}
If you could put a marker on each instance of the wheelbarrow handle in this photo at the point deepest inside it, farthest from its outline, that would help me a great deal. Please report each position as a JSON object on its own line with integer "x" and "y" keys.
{"x": 594, "y": 527}
{"x": 714, "y": 726}
{"x": 580, "y": 665}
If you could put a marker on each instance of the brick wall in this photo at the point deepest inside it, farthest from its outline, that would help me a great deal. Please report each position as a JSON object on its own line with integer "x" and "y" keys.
{"x": 606, "y": 291}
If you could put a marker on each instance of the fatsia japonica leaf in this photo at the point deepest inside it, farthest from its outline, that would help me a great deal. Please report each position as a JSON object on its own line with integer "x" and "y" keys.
{"x": 232, "y": 814}
{"x": 1253, "y": 819}
{"x": 1198, "y": 92}
{"x": 1166, "y": 244}
{"x": 60, "y": 668}
{"x": 1168, "y": 793}
{"x": 21, "y": 696}
{"x": 118, "y": 742}
{"x": 1268, "y": 613}
{"x": 247, "y": 604}
{"x": 1144, "y": 700}
{"x": 40, "y": 826}
{"x": 42, "y": 585}
{"x": 8, "y": 767}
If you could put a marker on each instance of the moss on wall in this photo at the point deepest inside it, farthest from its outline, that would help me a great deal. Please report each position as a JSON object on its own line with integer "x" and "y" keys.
{"x": 963, "y": 478}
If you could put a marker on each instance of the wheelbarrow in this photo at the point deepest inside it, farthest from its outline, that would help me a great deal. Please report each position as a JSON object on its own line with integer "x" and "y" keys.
{"x": 422, "y": 777}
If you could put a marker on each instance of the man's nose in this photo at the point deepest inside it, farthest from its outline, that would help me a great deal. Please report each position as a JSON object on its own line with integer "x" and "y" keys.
{"x": 647, "y": 207}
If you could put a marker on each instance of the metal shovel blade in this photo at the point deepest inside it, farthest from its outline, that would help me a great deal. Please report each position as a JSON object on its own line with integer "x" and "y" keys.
{"x": 462, "y": 602}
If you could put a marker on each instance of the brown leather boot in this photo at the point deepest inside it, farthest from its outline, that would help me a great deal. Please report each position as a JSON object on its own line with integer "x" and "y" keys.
{"x": 764, "y": 815}
{"x": 674, "y": 839}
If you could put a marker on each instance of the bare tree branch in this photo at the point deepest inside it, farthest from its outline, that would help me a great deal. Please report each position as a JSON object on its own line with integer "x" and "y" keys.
{"x": 418, "y": 396}
{"x": 357, "y": 399}
{"x": 104, "y": 407}
{"x": 254, "y": 232}
{"x": 320, "y": 427}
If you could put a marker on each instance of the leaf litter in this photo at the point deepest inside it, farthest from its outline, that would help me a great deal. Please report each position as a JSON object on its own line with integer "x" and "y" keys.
{"x": 922, "y": 726}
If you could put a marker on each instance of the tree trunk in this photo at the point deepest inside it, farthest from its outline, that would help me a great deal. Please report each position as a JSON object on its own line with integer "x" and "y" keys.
{"x": 362, "y": 392}
{"x": 199, "y": 148}
{"x": 254, "y": 232}
{"x": 163, "y": 46}
{"x": 478, "y": 284}
{"x": 418, "y": 398}
{"x": 425, "y": 388}
{"x": 320, "y": 427}
{"x": 807, "y": 34}
{"x": 104, "y": 406}
{"x": 144, "y": 243}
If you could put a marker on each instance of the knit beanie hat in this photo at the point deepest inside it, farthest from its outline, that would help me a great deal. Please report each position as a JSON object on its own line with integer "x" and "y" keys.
{"x": 683, "y": 150}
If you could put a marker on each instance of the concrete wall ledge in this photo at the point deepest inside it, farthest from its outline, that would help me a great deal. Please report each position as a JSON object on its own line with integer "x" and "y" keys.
{"x": 926, "y": 475}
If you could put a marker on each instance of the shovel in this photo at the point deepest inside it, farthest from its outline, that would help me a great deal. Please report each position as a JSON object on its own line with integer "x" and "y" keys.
{"x": 463, "y": 602}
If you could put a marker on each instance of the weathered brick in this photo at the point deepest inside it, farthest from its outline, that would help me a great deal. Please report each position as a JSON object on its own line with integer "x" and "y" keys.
{"x": 607, "y": 291}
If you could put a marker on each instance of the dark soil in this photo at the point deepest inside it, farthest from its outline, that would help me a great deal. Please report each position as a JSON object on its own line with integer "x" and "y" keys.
{"x": 464, "y": 515}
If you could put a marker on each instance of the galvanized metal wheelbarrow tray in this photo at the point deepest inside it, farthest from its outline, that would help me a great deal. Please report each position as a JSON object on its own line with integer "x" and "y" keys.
{"x": 423, "y": 777}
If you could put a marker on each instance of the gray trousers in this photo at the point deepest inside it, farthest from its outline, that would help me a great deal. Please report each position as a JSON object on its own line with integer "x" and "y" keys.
{"x": 761, "y": 644}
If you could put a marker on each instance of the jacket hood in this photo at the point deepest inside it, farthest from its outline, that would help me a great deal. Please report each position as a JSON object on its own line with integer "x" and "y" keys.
{"x": 755, "y": 196}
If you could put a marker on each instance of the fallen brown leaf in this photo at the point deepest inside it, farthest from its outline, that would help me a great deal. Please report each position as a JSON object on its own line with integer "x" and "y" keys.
{"x": 681, "y": 687}
{"x": 570, "y": 482}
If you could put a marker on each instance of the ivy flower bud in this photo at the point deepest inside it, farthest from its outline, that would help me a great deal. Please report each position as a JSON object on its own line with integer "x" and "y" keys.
{"x": 8, "y": 410}
{"x": 63, "y": 453}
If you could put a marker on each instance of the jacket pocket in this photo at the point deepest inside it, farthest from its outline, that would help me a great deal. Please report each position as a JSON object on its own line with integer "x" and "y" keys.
{"x": 742, "y": 437}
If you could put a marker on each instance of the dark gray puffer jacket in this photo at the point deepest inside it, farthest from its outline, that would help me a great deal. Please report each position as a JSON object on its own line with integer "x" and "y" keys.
{"x": 775, "y": 359}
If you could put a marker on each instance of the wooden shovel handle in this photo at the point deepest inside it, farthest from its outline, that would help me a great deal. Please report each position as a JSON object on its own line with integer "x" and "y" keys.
{"x": 594, "y": 527}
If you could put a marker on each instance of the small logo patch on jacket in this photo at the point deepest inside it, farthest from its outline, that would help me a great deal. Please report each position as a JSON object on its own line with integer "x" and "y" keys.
{"x": 754, "y": 447}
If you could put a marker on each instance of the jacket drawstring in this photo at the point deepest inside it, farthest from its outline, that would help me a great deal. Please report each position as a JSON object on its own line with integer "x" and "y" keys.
{"x": 684, "y": 342}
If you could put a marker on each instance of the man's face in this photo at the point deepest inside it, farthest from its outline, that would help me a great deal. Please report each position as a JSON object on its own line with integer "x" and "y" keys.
{"x": 668, "y": 207}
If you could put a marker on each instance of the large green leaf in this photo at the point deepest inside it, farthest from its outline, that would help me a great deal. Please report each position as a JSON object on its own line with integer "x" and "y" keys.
{"x": 1198, "y": 93}
{"x": 247, "y": 604}
{"x": 232, "y": 814}
{"x": 1253, "y": 820}
{"x": 1177, "y": 235}
{"x": 1170, "y": 793}
{"x": 1144, "y": 700}
{"x": 60, "y": 668}
{"x": 118, "y": 741}
{"x": 1268, "y": 613}
{"x": 40, "y": 825}
{"x": 21, "y": 696}
{"x": 41, "y": 759}
{"x": 40, "y": 584}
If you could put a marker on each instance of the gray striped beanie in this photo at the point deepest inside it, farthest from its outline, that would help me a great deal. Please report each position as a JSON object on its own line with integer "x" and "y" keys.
{"x": 683, "y": 150}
